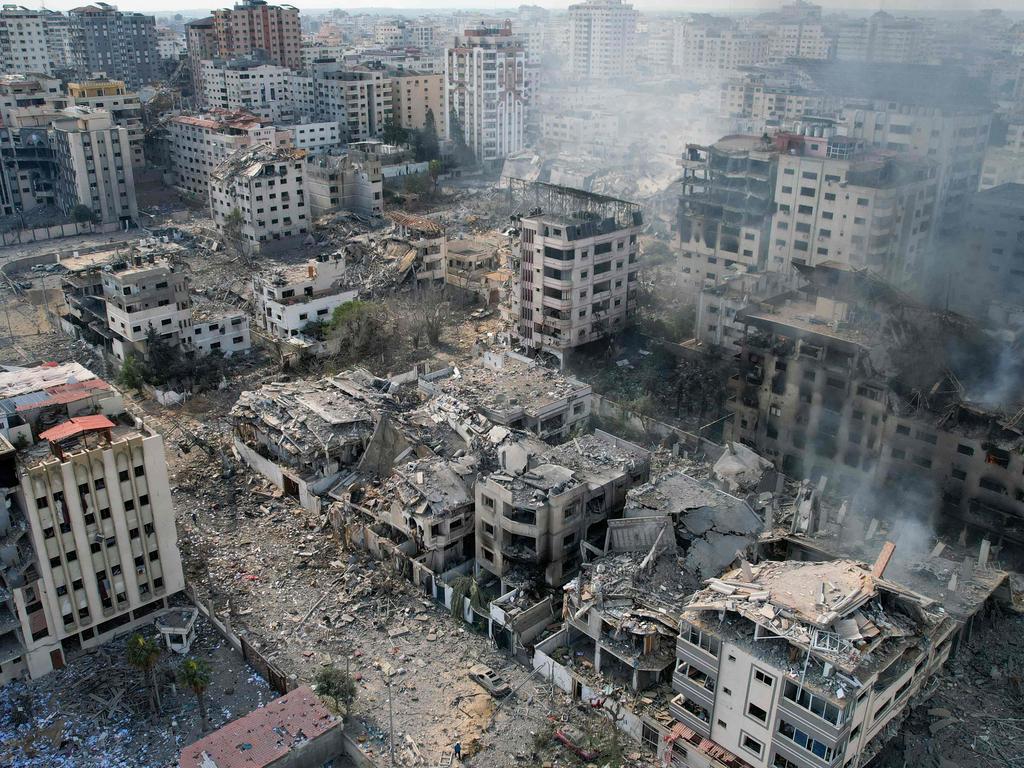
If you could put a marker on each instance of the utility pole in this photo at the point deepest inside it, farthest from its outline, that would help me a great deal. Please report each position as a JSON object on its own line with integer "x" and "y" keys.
{"x": 391, "y": 724}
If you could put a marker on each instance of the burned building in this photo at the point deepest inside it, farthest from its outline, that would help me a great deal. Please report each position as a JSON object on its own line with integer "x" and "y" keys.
{"x": 725, "y": 208}
{"x": 515, "y": 392}
{"x": 849, "y": 378}
{"x": 301, "y": 435}
{"x": 537, "y": 510}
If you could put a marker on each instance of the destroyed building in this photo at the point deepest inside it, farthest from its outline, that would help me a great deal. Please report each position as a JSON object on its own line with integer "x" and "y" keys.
{"x": 515, "y": 392}
{"x": 88, "y": 545}
{"x": 577, "y": 266}
{"x": 537, "y": 510}
{"x": 239, "y": 185}
{"x": 725, "y": 208}
{"x": 286, "y": 300}
{"x": 470, "y": 267}
{"x": 802, "y": 663}
{"x": 301, "y": 435}
{"x": 421, "y": 246}
{"x": 840, "y": 378}
{"x": 343, "y": 183}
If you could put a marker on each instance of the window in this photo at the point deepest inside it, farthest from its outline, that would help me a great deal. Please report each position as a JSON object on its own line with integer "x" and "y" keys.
{"x": 122, "y": 475}
{"x": 764, "y": 679}
{"x": 140, "y": 470}
{"x": 902, "y": 429}
{"x": 757, "y": 713}
{"x": 966, "y": 450}
{"x": 752, "y": 745}
{"x": 721, "y": 724}
{"x": 801, "y": 739}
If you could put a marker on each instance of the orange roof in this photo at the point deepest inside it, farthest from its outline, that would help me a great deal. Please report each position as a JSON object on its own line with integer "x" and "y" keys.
{"x": 67, "y": 393}
{"x": 264, "y": 735}
{"x": 76, "y": 426}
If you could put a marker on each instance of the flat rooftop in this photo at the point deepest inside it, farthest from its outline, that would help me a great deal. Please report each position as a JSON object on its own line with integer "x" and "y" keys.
{"x": 516, "y": 386}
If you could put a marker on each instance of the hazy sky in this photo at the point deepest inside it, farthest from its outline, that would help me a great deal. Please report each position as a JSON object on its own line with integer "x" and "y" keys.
{"x": 164, "y": 7}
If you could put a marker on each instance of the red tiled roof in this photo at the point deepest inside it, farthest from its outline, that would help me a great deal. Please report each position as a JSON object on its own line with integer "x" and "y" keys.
{"x": 63, "y": 394}
{"x": 264, "y": 735}
{"x": 76, "y": 426}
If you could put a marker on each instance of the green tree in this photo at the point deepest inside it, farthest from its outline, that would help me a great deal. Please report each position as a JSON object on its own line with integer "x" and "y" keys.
{"x": 143, "y": 654}
{"x": 427, "y": 145}
{"x": 132, "y": 374}
{"x": 195, "y": 673}
{"x": 393, "y": 133}
{"x": 415, "y": 184}
{"x": 338, "y": 686}
{"x": 361, "y": 330}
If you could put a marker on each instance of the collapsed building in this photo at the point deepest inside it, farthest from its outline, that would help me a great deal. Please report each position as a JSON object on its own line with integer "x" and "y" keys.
{"x": 302, "y": 435}
{"x": 836, "y": 379}
{"x": 539, "y": 509}
{"x": 515, "y": 392}
{"x": 420, "y": 246}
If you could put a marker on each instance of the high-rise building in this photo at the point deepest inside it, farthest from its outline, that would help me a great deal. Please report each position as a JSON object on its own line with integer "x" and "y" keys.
{"x": 124, "y": 107}
{"x": 88, "y": 526}
{"x": 487, "y": 90}
{"x": 602, "y": 39}
{"x": 577, "y": 268}
{"x": 881, "y": 39}
{"x": 413, "y": 95}
{"x": 255, "y": 27}
{"x": 94, "y": 167}
{"x": 118, "y": 45}
{"x": 838, "y": 202}
{"x": 201, "y": 45}
{"x": 710, "y": 48}
{"x": 23, "y": 41}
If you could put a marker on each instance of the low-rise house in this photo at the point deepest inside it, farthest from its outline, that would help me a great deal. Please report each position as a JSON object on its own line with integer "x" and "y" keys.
{"x": 469, "y": 263}
{"x": 424, "y": 244}
{"x": 293, "y": 731}
{"x": 216, "y": 328}
{"x": 288, "y": 300}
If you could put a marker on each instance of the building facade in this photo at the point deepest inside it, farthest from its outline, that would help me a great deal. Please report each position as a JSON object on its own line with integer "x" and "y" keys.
{"x": 602, "y": 39}
{"x": 120, "y": 45}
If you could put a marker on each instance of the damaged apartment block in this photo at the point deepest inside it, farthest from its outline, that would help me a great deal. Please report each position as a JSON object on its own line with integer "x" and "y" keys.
{"x": 840, "y": 378}
{"x": 539, "y": 511}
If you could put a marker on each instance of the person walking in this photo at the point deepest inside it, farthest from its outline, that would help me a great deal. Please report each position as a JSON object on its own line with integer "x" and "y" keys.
{"x": 458, "y": 751}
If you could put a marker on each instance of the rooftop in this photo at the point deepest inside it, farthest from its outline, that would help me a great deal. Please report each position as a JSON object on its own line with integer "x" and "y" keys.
{"x": 265, "y": 735}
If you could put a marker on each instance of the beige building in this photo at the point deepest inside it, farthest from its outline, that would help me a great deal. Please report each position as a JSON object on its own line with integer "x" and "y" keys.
{"x": 602, "y": 39}
{"x": 265, "y": 188}
{"x": 838, "y": 203}
{"x": 124, "y": 107}
{"x": 350, "y": 182}
{"x": 578, "y": 264}
{"x": 94, "y": 165}
{"x": 413, "y": 94}
{"x": 425, "y": 245}
{"x": 91, "y": 519}
{"x": 253, "y": 26}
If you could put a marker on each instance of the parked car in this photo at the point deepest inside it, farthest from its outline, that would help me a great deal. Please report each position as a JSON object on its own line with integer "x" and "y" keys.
{"x": 489, "y": 680}
{"x": 572, "y": 739}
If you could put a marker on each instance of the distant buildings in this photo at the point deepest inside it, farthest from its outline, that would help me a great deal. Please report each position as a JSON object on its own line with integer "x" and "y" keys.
{"x": 578, "y": 266}
{"x": 602, "y": 39}
{"x": 881, "y": 39}
{"x": 89, "y": 534}
{"x": 254, "y": 26}
{"x": 33, "y": 41}
{"x": 487, "y": 91}
{"x": 120, "y": 45}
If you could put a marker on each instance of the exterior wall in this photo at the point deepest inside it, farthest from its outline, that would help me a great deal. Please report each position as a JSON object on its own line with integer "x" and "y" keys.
{"x": 250, "y": 27}
{"x": 24, "y": 41}
{"x": 712, "y": 51}
{"x": 337, "y": 184}
{"x": 317, "y": 137}
{"x": 138, "y": 299}
{"x": 120, "y": 493}
{"x": 125, "y": 109}
{"x": 87, "y": 150}
{"x": 564, "y": 302}
{"x": 360, "y": 100}
{"x": 121, "y": 45}
{"x": 285, "y": 320}
{"x": 229, "y": 335}
{"x": 413, "y": 94}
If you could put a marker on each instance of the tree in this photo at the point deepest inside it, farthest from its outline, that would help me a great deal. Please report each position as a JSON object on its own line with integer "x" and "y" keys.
{"x": 195, "y": 673}
{"x": 338, "y": 686}
{"x": 232, "y": 229}
{"x": 434, "y": 171}
{"x": 393, "y": 133}
{"x": 83, "y": 214}
{"x": 360, "y": 330}
{"x": 427, "y": 145}
{"x": 463, "y": 154}
{"x": 143, "y": 654}
{"x": 132, "y": 374}
{"x": 415, "y": 184}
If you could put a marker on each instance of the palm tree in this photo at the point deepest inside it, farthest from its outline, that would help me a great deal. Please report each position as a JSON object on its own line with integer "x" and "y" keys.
{"x": 143, "y": 653}
{"x": 195, "y": 673}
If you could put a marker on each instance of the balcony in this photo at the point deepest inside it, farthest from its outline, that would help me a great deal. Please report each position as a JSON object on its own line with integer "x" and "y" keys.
{"x": 691, "y": 715}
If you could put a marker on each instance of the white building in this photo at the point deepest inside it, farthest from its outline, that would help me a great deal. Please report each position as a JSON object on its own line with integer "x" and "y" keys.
{"x": 260, "y": 194}
{"x": 317, "y": 138}
{"x": 577, "y": 271}
{"x": 288, "y": 300}
{"x": 23, "y": 41}
{"x": 602, "y": 39}
{"x": 709, "y": 48}
{"x": 199, "y": 143}
{"x": 89, "y": 508}
{"x": 219, "y": 329}
{"x": 170, "y": 45}
{"x": 263, "y": 89}
{"x": 487, "y": 87}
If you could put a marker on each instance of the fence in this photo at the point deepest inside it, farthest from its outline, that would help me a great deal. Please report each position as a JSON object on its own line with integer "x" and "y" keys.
{"x": 39, "y": 234}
